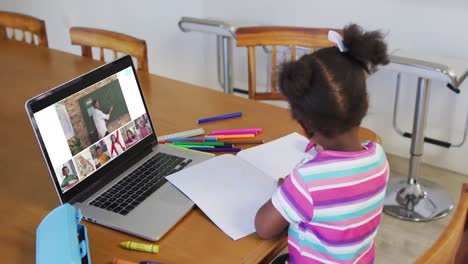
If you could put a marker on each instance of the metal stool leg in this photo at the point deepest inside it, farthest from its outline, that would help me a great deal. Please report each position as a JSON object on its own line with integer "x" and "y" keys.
{"x": 410, "y": 198}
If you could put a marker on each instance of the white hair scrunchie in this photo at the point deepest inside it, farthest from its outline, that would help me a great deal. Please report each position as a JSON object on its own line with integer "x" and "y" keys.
{"x": 336, "y": 38}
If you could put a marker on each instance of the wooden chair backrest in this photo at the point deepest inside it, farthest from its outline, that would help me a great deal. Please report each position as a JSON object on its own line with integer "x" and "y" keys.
{"x": 116, "y": 42}
{"x": 23, "y": 24}
{"x": 251, "y": 37}
{"x": 448, "y": 245}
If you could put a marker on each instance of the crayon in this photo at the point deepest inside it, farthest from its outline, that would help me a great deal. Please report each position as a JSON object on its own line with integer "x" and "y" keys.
{"x": 140, "y": 246}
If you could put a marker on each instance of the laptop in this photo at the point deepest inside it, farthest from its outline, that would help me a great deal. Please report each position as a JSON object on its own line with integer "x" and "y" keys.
{"x": 102, "y": 152}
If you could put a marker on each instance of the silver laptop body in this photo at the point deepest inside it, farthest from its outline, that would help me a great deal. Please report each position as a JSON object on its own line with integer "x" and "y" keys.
{"x": 93, "y": 161}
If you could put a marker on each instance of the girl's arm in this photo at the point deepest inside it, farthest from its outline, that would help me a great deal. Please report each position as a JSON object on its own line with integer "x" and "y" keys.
{"x": 269, "y": 223}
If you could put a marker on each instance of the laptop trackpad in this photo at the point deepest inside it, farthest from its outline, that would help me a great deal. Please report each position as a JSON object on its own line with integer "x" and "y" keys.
{"x": 151, "y": 219}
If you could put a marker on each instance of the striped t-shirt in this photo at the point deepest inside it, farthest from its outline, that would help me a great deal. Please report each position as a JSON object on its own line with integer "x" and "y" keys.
{"x": 333, "y": 203}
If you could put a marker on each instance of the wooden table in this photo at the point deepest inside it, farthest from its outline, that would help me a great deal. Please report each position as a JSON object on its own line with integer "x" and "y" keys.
{"x": 26, "y": 191}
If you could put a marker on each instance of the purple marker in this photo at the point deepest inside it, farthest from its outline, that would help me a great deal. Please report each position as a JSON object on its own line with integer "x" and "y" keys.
{"x": 237, "y": 131}
{"x": 214, "y": 118}
{"x": 218, "y": 149}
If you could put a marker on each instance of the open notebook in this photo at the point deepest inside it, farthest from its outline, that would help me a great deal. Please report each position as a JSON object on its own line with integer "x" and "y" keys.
{"x": 230, "y": 189}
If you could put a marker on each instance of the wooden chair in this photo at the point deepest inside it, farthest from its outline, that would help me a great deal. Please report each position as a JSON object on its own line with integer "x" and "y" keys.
{"x": 104, "y": 39}
{"x": 251, "y": 37}
{"x": 452, "y": 245}
{"x": 312, "y": 38}
{"x": 24, "y": 24}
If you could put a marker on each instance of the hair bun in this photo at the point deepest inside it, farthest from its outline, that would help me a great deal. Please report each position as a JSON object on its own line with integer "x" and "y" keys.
{"x": 368, "y": 48}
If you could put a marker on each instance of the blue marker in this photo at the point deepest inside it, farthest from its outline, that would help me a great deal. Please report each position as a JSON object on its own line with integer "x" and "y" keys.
{"x": 214, "y": 118}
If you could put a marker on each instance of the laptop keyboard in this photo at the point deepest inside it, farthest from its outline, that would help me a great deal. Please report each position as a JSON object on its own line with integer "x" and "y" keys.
{"x": 130, "y": 191}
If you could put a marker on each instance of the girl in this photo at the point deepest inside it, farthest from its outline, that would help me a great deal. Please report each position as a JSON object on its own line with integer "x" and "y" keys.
{"x": 332, "y": 202}
{"x": 84, "y": 166}
{"x": 116, "y": 146}
{"x": 131, "y": 138}
{"x": 69, "y": 179}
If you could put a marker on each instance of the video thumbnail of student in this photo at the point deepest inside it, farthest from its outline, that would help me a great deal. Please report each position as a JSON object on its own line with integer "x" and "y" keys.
{"x": 84, "y": 164}
{"x": 115, "y": 143}
{"x": 143, "y": 127}
{"x": 100, "y": 154}
{"x": 129, "y": 135}
{"x": 93, "y": 113}
{"x": 66, "y": 175}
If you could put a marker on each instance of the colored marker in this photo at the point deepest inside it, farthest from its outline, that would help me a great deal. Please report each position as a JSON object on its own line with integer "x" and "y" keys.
{"x": 237, "y": 131}
{"x": 181, "y": 147}
{"x": 225, "y": 146}
{"x": 188, "y": 145}
{"x": 140, "y": 246}
{"x": 218, "y": 149}
{"x": 246, "y": 141}
{"x": 235, "y": 136}
{"x": 215, "y": 118}
{"x": 193, "y": 139}
{"x": 124, "y": 261}
{"x": 231, "y": 133}
{"x": 210, "y": 143}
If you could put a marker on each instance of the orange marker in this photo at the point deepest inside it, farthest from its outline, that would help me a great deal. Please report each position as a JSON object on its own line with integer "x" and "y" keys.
{"x": 234, "y": 136}
{"x": 122, "y": 261}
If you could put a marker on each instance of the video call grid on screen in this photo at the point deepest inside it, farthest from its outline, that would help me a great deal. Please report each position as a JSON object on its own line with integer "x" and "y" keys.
{"x": 85, "y": 131}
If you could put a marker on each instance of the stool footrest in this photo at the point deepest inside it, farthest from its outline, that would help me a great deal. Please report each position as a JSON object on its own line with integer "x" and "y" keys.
{"x": 431, "y": 140}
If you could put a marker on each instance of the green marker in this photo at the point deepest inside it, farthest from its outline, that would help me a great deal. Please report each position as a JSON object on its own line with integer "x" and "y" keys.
{"x": 181, "y": 147}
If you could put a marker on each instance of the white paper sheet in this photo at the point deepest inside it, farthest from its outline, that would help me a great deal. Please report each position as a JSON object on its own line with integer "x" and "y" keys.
{"x": 229, "y": 191}
{"x": 278, "y": 157}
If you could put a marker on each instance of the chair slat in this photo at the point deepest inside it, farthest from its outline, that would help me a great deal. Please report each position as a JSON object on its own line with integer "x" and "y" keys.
{"x": 252, "y": 78}
{"x": 293, "y": 53}
{"x": 115, "y": 54}
{"x": 86, "y": 52}
{"x": 273, "y": 69}
{"x": 3, "y": 33}
{"x": 101, "y": 54}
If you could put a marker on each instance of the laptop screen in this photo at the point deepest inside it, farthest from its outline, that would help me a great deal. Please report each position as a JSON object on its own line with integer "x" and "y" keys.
{"x": 84, "y": 132}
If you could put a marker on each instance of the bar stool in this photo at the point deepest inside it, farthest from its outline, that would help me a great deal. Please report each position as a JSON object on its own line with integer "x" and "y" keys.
{"x": 412, "y": 198}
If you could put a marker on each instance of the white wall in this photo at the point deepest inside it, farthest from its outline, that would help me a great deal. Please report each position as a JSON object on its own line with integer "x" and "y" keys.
{"x": 429, "y": 26}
